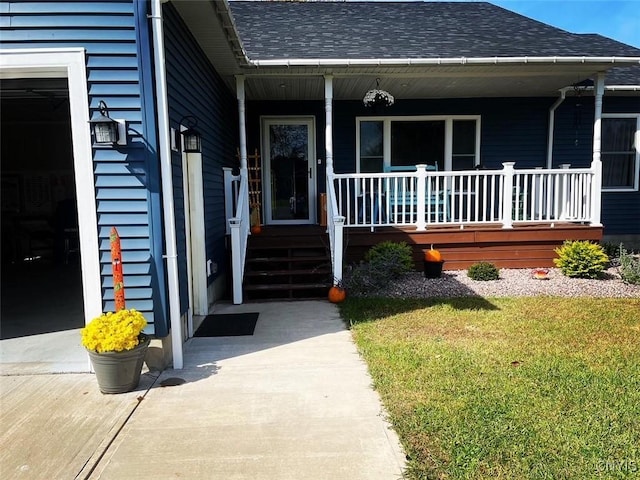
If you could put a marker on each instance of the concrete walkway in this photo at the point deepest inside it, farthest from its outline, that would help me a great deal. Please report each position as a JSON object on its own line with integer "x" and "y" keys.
{"x": 293, "y": 401}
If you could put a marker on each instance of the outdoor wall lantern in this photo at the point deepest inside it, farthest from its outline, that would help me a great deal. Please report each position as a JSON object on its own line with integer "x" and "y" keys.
{"x": 378, "y": 97}
{"x": 106, "y": 130}
{"x": 191, "y": 136}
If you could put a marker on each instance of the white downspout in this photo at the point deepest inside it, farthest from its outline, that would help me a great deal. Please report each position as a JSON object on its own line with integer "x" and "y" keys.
{"x": 167, "y": 184}
{"x": 552, "y": 119}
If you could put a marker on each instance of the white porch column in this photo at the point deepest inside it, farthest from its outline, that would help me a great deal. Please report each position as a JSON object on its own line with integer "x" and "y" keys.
{"x": 421, "y": 196}
{"x": 507, "y": 194}
{"x": 242, "y": 123}
{"x": 596, "y": 163}
{"x": 328, "y": 129}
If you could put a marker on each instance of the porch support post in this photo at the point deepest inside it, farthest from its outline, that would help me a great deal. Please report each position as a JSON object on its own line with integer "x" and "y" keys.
{"x": 242, "y": 123}
{"x": 507, "y": 194}
{"x": 328, "y": 129}
{"x": 334, "y": 222}
{"x": 596, "y": 164}
{"x": 421, "y": 196}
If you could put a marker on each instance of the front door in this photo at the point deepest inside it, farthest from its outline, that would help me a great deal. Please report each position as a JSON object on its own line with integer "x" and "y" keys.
{"x": 289, "y": 170}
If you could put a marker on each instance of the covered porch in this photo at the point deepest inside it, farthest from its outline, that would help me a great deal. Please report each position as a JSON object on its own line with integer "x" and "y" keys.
{"x": 512, "y": 216}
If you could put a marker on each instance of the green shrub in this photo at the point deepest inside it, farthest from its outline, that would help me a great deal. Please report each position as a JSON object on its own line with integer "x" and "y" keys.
{"x": 629, "y": 267}
{"x": 581, "y": 259}
{"x": 383, "y": 263}
{"x": 483, "y": 271}
{"x": 394, "y": 258}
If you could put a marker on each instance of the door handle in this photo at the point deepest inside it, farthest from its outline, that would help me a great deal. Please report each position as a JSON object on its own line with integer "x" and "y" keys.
{"x": 310, "y": 171}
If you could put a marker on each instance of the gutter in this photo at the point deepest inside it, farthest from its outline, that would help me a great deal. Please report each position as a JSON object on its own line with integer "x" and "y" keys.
{"x": 167, "y": 184}
{"x": 376, "y": 62}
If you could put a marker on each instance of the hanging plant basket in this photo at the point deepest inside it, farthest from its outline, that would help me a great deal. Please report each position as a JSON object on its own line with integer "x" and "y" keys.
{"x": 378, "y": 98}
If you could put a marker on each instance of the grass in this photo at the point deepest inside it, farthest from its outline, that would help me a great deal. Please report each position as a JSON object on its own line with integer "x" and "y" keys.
{"x": 512, "y": 388}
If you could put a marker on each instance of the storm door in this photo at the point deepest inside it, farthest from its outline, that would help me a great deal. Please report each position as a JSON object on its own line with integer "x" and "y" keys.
{"x": 289, "y": 171}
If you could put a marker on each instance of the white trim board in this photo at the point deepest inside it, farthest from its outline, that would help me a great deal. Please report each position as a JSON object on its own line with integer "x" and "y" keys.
{"x": 70, "y": 63}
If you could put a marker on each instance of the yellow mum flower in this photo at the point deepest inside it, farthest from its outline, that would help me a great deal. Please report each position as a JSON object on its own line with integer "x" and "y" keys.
{"x": 114, "y": 332}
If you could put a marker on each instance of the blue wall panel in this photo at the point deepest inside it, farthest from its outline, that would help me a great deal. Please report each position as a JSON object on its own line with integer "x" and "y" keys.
{"x": 114, "y": 35}
{"x": 512, "y": 130}
{"x": 195, "y": 88}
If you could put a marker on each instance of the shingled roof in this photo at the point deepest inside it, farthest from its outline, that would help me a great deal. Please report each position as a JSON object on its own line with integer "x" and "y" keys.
{"x": 357, "y": 30}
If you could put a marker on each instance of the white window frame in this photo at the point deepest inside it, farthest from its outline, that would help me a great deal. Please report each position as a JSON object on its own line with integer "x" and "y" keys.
{"x": 635, "y": 186}
{"x": 448, "y": 134}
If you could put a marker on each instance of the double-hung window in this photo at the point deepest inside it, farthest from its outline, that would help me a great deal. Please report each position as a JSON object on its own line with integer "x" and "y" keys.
{"x": 620, "y": 151}
{"x": 452, "y": 142}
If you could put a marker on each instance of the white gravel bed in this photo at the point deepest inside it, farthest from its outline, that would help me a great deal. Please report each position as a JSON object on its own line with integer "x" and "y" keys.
{"x": 512, "y": 283}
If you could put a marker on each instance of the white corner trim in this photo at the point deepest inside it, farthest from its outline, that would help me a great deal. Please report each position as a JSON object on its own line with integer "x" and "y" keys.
{"x": 70, "y": 63}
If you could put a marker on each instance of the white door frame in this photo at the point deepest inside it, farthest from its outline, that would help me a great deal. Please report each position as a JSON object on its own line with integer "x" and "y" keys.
{"x": 310, "y": 122}
{"x": 70, "y": 63}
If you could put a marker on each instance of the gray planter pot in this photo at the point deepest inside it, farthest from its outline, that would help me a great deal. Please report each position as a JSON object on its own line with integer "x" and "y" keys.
{"x": 119, "y": 372}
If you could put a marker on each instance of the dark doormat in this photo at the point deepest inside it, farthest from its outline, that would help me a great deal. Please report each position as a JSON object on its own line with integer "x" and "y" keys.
{"x": 227, "y": 325}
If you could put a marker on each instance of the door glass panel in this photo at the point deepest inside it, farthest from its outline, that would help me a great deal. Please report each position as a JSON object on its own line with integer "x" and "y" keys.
{"x": 289, "y": 172}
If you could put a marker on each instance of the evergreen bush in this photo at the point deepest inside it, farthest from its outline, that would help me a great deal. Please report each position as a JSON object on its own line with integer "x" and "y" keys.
{"x": 392, "y": 259}
{"x": 581, "y": 259}
{"x": 483, "y": 271}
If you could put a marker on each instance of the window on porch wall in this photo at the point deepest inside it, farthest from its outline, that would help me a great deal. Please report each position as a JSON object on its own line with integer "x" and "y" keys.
{"x": 409, "y": 141}
{"x": 619, "y": 153}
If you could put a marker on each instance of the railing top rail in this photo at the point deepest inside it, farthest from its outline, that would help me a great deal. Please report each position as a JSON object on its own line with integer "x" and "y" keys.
{"x": 469, "y": 173}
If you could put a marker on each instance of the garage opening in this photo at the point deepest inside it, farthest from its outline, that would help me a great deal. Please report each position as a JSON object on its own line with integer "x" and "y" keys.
{"x": 41, "y": 285}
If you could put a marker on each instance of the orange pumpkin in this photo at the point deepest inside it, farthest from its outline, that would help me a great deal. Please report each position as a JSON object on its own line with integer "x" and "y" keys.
{"x": 256, "y": 229}
{"x": 337, "y": 294}
{"x": 432, "y": 255}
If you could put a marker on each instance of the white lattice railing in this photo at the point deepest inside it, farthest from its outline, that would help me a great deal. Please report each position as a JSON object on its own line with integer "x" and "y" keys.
{"x": 426, "y": 198}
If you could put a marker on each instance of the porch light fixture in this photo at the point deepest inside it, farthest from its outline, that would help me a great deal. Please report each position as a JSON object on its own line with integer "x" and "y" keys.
{"x": 378, "y": 97}
{"x": 106, "y": 130}
{"x": 191, "y": 137}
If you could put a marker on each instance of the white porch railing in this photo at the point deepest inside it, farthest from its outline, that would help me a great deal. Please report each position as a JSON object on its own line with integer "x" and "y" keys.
{"x": 335, "y": 225}
{"x": 238, "y": 225}
{"x": 428, "y": 198}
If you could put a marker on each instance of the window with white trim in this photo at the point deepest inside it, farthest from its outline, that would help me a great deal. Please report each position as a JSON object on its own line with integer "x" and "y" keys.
{"x": 452, "y": 142}
{"x": 620, "y": 151}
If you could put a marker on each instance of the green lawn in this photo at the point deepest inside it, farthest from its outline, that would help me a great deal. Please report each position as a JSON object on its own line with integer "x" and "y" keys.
{"x": 511, "y": 388}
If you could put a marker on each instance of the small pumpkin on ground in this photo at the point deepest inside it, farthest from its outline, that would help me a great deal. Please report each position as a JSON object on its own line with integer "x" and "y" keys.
{"x": 337, "y": 293}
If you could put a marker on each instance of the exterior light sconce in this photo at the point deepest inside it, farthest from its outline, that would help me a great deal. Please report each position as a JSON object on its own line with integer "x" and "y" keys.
{"x": 191, "y": 139}
{"x": 106, "y": 130}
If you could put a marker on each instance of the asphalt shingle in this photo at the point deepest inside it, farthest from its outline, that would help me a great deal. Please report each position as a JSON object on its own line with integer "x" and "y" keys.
{"x": 290, "y": 29}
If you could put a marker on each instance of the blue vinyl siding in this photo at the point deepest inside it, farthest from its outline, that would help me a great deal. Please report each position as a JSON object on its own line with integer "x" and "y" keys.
{"x": 573, "y": 144}
{"x": 194, "y": 88}
{"x": 512, "y": 130}
{"x": 110, "y": 33}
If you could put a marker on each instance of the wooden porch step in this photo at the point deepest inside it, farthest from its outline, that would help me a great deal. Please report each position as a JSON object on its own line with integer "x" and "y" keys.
{"x": 289, "y": 286}
{"x": 266, "y": 273}
{"x": 319, "y": 258}
{"x": 287, "y": 262}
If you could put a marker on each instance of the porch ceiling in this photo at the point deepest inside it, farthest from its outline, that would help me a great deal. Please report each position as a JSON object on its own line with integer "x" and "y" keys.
{"x": 417, "y": 82}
